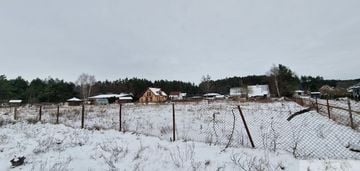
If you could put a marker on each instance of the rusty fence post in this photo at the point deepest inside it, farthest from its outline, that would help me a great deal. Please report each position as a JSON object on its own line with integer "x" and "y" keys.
{"x": 246, "y": 127}
{"x": 317, "y": 105}
{"x": 174, "y": 127}
{"x": 15, "y": 113}
{"x": 57, "y": 114}
{"x": 350, "y": 112}
{"x": 328, "y": 106}
{"x": 82, "y": 116}
{"x": 40, "y": 112}
{"x": 120, "y": 106}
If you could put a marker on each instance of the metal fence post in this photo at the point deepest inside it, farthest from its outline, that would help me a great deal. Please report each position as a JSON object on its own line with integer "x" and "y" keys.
{"x": 328, "y": 106}
{"x": 40, "y": 112}
{"x": 174, "y": 127}
{"x": 120, "y": 106}
{"x": 15, "y": 117}
{"x": 57, "y": 114}
{"x": 350, "y": 112}
{"x": 246, "y": 127}
{"x": 317, "y": 105}
{"x": 82, "y": 116}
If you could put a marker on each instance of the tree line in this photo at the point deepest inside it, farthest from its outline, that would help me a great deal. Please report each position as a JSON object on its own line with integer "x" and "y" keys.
{"x": 281, "y": 80}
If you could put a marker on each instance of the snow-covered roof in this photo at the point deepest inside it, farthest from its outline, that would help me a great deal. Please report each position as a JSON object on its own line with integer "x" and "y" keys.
{"x": 157, "y": 91}
{"x": 74, "y": 99}
{"x": 299, "y": 91}
{"x": 106, "y": 96}
{"x": 316, "y": 92}
{"x": 355, "y": 86}
{"x": 125, "y": 98}
{"x": 258, "y": 90}
{"x": 15, "y": 101}
{"x": 211, "y": 94}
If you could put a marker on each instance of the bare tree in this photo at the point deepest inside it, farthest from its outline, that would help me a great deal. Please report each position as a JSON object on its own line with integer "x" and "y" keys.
{"x": 274, "y": 73}
{"x": 85, "y": 81}
{"x": 205, "y": 79}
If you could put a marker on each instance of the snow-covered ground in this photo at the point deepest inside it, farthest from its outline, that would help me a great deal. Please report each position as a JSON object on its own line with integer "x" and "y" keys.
{"x": 58, "y": 147}
{"x": 339, "y": 110}
{"x": 307, "y": 136}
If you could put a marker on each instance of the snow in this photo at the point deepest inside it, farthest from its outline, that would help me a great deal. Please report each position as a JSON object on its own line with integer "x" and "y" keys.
{"x": 203, "y": 124}
{"x": 57, "y": 147}
{"x": 105, "y": 96}
{"x": 74, "y": 99}
{"x": 15, "y": 101}
{"x": 157, "y": 92}
{"x": 125, "y": 98}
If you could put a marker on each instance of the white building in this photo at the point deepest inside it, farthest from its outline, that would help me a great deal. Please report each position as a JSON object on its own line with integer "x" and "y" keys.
{"x": 176, "y": 95}
{"x": 237, "y": 92}
{"x": 258, "y": 91}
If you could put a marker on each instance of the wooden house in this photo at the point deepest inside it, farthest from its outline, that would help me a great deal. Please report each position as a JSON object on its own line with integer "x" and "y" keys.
{"x": 153, "y": 95}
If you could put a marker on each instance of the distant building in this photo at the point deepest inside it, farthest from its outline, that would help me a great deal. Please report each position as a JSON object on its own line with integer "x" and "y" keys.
{"x": 153, "y": 95}
{"x": 176, "y": 95}
{"x": 15, "y": 102}
{"x": 315, "y": 95}
{"x": 238, "y": 92}
{"x": 213, "y": 96}
{"x": 104, "y": 99}
{"x": 258, "y": 91}
{"x": 298, "y": 93}
{"x": 74, "y": 101}
{"x": 355, "y": 90}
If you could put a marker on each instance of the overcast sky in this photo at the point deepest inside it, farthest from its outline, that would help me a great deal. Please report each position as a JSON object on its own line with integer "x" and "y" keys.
{"x": 178, "y": 39}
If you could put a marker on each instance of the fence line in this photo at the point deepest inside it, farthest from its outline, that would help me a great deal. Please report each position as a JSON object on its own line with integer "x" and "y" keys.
{"x": 338, "y": 116}
{"x": 260, "y": 125}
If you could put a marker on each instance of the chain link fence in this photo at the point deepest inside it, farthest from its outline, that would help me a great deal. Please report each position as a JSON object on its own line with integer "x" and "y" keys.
{"x": 267, "y": 126}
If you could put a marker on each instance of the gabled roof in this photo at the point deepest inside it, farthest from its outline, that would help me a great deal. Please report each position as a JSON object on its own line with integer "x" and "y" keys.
{"x": 157, "y": 91}
{"x": 74, "y": 99}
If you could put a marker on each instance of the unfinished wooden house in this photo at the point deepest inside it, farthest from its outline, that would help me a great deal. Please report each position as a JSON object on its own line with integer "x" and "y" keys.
{"x": 153, "y": 95}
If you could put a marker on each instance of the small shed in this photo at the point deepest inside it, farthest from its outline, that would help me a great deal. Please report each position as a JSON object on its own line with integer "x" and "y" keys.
{"x": 125, "y": 99}
{"x": 177, "y": 95}
{"x": 298, "y": 93}
{"x": 74, "y": 101}
{"x": 213, "y": 96}
{"x": 15, "y": 102}
{"x": 315, "y": 95}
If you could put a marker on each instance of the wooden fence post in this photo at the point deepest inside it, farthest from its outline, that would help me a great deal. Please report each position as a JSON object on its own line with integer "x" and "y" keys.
{"x": 328, "y": 106}
{"x": 57, "y": 114}
{"x": 246, "y": 127}
{"x": 82, "y": 116}
{"x": 40, "y": 112}
{"x": 120, "y": 117}
{"x": 174, "y": 127}
{"x": 350, "y": 112}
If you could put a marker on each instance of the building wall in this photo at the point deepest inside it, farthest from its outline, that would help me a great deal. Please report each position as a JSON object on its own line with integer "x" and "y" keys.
{"x": 150, "y": 97}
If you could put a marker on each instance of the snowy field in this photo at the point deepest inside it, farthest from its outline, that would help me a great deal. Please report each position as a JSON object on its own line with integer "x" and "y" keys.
{"x": 307, "y": 136}
{"x": 59, "y": 148}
